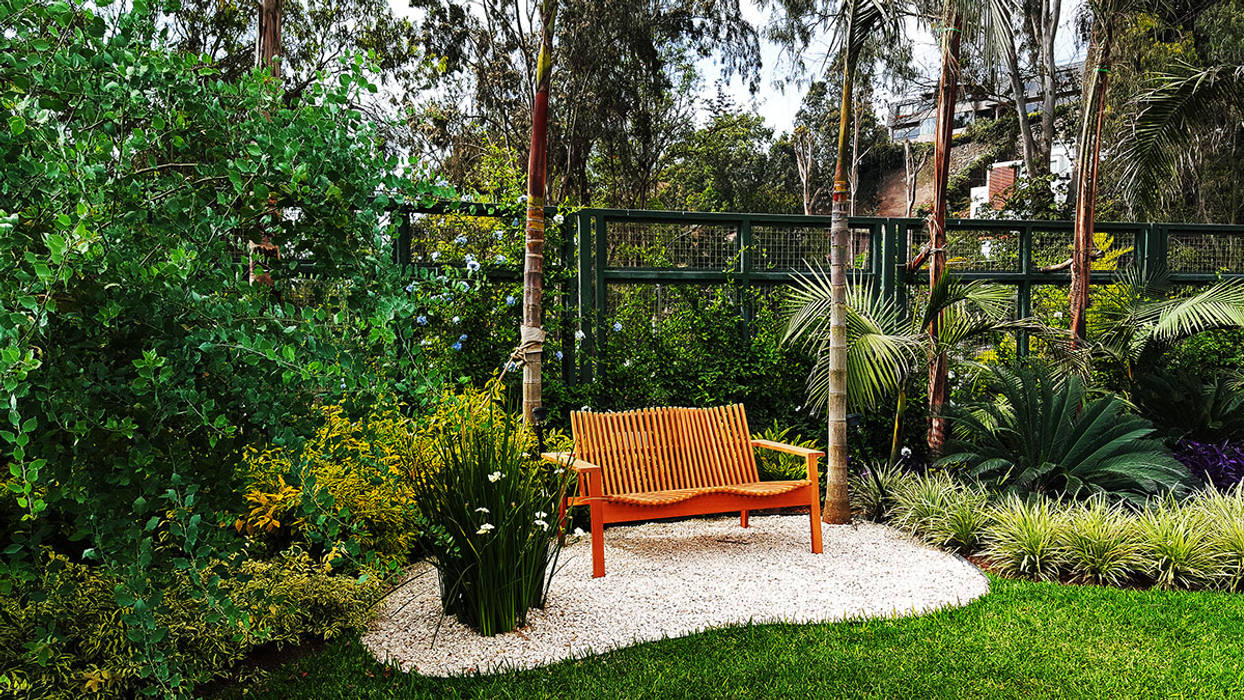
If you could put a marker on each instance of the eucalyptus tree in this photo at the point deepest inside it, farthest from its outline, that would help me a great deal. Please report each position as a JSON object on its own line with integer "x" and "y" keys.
{"x": 856, "y": 22}
{"x": 1105, "y": 17}
{"x": 988, "y": 24}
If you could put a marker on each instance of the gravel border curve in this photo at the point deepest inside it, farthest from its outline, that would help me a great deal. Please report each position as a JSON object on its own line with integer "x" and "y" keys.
{"x": 675, "y": 578}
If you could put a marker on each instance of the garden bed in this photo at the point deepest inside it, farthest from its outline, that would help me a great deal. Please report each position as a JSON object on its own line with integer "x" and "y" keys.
{"x": 672, "y": 579}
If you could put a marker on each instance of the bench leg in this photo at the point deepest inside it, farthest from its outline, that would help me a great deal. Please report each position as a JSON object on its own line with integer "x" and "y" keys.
{"x": 598, "y": 542}
{"x": 743, "y": 518}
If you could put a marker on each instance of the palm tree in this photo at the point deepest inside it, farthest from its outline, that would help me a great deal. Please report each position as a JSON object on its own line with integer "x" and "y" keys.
{"x": 1137, "y": 321}
{"x": 1179, "y": 104}
{"x": 531, "y": 342}
{"x": 860, "y": 21}
{"x": 887, "y": 347}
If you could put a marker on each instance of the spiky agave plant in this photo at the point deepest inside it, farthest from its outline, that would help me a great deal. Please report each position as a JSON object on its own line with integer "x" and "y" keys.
{"x": 1047, "y": 437}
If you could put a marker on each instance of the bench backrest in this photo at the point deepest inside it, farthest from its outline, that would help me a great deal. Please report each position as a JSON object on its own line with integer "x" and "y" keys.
{"x": 659, "y": 449}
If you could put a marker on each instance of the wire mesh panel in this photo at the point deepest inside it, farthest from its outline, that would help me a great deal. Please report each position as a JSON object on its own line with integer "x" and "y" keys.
{"x": 682, "y": 245}
{"x": 781, "y": 247}
{"x": 983, "y": 250}
{"x": 1218, "y": 251}
{"x": 1051, "y": 248}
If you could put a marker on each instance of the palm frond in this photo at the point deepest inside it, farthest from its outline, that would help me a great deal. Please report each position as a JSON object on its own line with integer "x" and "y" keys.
{"x": 1166, "y": 116}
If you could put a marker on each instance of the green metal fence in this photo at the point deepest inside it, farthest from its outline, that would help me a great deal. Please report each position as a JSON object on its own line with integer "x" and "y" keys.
{"x": 599, "y": 251}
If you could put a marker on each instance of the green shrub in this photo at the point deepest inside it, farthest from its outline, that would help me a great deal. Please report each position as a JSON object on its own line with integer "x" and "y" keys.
{"x": 491, "y": 514}
{"x": 1047, "y": 437}
{"x": 72, "y": 641}
{"x": 963, "y": 526}
{"x": 1023, "y": 539}
{"x": 920, "y": 501}
{"x": 1176, "y": 545}
{"x": 941, "y": 510}
{"x": 1098, "y": 542}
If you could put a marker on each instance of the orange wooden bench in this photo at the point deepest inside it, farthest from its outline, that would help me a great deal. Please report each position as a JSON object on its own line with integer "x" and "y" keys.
{"x": 671, "y": 462}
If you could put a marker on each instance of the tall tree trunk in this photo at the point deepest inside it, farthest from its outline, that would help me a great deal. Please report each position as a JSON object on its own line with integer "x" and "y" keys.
{"x": 947, "y": 97}
{"x": 1050, "y": 10}
{"x": 1020, "y": 95}
{"x": 532, "y": 335}
{"x": 1088, "y": 155}
{"x": 267, "y": 55}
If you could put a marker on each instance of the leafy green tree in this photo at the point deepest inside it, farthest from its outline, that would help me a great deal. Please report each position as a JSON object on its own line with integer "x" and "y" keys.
{"x": 137, "y": 359}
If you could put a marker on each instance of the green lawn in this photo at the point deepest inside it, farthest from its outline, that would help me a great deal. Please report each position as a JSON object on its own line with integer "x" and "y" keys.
{"x": 1023, "y": 640}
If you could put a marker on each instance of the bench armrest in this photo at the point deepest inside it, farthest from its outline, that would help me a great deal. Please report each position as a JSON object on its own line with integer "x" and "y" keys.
{"x": 809, "y": 456}
{"x": 568, "y": 460}
{"x": 789, "y": 449}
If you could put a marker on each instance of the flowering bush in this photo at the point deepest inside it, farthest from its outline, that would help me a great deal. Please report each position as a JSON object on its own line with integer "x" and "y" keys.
{"x": 490, "y": 512}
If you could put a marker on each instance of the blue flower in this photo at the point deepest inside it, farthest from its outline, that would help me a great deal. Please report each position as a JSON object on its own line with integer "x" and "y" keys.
{"x": 466, "y": 286}
{"x": 422, "y": 320}
{"x": 460, "y": 240}
{"x": 502, "y": 258}
{"x": 456, "y": 346}
{"x": 498, "y": 234}
{"x": 510, "y": 301}
{"x": 410, "y": 287}
{"x": 472, "y": 265}
{"x": 558, "y": 354}
{"x": 462, "y": 337}
{"x": 617, "y": 326}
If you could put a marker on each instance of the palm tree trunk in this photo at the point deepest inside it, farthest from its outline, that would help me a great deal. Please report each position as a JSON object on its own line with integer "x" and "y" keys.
{"x": 1087, "y": 159}
{"x": 837, "y": 506}
{"x": 532, "y": 336}
{"x": 947, "y": 96}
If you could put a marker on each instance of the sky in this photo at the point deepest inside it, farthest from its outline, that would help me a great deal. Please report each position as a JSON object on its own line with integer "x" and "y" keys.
{"x": 778, "y": 104}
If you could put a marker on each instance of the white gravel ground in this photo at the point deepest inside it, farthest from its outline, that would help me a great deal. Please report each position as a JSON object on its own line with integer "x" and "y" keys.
{"x": 671, "y": 579}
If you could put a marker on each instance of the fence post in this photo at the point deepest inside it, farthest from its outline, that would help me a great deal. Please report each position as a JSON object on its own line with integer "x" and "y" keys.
{"x": 587, "y": 304}
{"x": 601, "y": 261}
{"x": 898, "y": 294}
{"x": 401, "y": 245}
{"x": 887, "y": 268}
{"x": 1024, "y": 293}
{"x": 569, "y": 300}
{"x": 1157, "y": 240}
{"x": 745, "y": 274}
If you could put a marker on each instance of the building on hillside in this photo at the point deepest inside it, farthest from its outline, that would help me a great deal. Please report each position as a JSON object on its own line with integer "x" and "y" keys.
{"x": 914, "y": 117}
{"x": 1000, "y": 177}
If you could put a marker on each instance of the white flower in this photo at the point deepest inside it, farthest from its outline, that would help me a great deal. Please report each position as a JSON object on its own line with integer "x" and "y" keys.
{"x": 906, "y": 451}
{"x": 951, "y": 375}
{"x": 483, "y": 529}
{"x": 557, "y": 219}
{"x": 436, "y": 254}
{"x": 494, "y": 477}
{"x": 541, "y": 514}
{"x": 481, "y": 510}
{"x": 578, "y": 531}
{"x": 579, "y": 335}
{"x": 543, "y": 525}
{"x": 1058, "y": 314}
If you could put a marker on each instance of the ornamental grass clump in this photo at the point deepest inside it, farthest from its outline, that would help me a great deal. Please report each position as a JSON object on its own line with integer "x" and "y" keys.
{"x": 490, "y": 512}
{"x": 1226, "y": 513}
{"x": 920, "y": 501}
{"x": 1023, "y": 538}
{"x": 1098, "y": 542}
{"x": 1177, "y": 546}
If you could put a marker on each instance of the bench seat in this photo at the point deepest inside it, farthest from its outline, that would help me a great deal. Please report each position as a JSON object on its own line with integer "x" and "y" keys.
{"x": 672, "y": 462}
